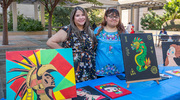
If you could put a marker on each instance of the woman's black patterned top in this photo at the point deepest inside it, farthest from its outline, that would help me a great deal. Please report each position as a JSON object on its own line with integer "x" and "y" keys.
{"x": 83, "y": 55}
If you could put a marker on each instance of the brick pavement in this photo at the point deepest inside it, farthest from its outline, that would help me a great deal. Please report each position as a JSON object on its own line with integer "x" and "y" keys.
{"x": 31, "y": 42}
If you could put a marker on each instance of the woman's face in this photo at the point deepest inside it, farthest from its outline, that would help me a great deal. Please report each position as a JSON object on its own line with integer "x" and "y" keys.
{"x": 79, "y": 18}
{"x": 112, "y": 20}
{"x": 171, "y": 52}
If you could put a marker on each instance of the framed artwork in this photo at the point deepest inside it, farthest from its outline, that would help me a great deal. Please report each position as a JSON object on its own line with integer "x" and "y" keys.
{"x": 175, "y": 72}
{"x": 171, "y": 53}
{"x": 113, "y": 90}
{"x": 139, "y": 57}
{"x": 89, "y": 93}
{"x": 40, "y": 75}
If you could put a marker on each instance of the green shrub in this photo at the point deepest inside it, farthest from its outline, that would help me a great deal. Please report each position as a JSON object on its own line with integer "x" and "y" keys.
{"x": 151, "y": 21}
{"x": 10, "y": 21}
{"x": 28, "y": 24}
{"x": 25, "y": 24}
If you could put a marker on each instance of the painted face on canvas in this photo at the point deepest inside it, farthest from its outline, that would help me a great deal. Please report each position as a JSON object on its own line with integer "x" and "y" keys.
{"x": 48, "y": 80}
{"x": 111, "y": 89}
{"x": 79, "y": 18}
{"x": 81, "y": 93}
{"x": 171, "y": 52}
{"x": 112, "y": 20}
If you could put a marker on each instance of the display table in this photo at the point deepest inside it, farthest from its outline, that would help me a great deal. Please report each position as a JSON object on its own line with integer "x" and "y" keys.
{"x": 167, "y": 89}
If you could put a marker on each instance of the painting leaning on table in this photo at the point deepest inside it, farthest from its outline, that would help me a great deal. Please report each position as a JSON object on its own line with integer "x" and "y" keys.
{"x": 40, "y": 75}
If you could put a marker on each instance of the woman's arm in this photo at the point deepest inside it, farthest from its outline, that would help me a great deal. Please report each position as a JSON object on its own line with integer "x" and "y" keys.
{"x": 54, "y": 41}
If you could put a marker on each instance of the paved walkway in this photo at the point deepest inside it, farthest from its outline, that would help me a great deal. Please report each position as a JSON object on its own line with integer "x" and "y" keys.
{"x": 24, "y": 41}
{"x": 31, "y": 42}
{"x": 17, "y": 43}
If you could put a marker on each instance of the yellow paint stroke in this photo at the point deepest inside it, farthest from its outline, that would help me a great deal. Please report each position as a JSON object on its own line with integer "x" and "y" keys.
{"x": 71, "y": 76}
{"x": 58, "y": 95}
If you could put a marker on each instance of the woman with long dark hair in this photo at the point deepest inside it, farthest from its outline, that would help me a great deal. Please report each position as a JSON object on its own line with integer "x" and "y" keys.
{"x": 109, "y": 58}
{"x": 82, "y": 40}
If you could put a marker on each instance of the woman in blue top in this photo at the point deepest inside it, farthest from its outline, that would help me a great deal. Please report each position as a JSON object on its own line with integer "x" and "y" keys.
{"x": 163, "y": 32}
{"x": 109, "y": 58}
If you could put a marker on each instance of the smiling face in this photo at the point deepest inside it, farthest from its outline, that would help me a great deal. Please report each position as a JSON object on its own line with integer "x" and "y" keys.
{"x": 111, "y": 89}
{"x": 79, "y": 18}
{"x": 48, "y": 80}
{"x": 171, "y": 52}
{"x": 112, "y": 20}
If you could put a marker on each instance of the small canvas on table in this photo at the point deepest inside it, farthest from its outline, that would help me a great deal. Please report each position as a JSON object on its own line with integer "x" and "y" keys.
{"x": 40, "y": 75}
{"x": 113, "y": 90}
{"x": 175, "y": 72}
{"x": 88, "y": 93}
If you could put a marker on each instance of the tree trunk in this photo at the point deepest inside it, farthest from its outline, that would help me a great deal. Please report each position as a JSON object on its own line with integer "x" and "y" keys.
{"x": 50, "y": 26}
{"x": 5, "y": 27}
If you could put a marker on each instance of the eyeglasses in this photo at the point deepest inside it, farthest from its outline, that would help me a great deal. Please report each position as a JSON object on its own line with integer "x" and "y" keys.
{"x": 115, "y": 17}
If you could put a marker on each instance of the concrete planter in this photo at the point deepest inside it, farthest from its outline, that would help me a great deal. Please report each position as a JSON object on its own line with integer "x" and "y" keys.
{"x": 156, "y": 32}
{"x": 28, "y": 33}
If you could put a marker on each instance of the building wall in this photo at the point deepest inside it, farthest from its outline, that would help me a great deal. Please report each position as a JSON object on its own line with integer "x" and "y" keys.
{"x": 25, "y": 9}
{"x": 125, "y": 18}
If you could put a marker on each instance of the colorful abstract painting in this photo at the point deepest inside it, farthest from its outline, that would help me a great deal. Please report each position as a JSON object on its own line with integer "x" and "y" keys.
{"x": 40, "y": 75}
{"x": 175, "y": 72}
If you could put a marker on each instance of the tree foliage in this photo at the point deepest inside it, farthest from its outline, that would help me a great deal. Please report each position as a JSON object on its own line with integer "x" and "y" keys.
{"x": 60, "y": 17}
{"x": 152, "y": 21}
{"x": 95, "y": 16}
{"x": 172, "y": 9}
